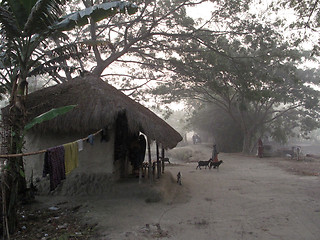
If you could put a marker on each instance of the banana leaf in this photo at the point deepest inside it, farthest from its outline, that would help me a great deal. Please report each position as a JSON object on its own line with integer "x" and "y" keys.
{"x": 96, "y": 12}
{"x": 49, "y": 115}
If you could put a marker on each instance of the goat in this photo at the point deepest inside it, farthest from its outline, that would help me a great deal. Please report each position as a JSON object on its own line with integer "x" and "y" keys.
{"x": 204, "y": 163}
{"x": 215, "y": 164}
{"x": 165, "y": 160}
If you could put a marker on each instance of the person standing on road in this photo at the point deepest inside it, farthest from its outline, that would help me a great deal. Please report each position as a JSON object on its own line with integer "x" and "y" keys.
{"x": 260, "y": 148}
{"x": 215, "y": 153}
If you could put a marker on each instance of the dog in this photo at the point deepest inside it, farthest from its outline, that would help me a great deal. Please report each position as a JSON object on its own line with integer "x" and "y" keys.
{"x": 165, "y": 160}
{"x": 215, "y": 164}
{"x": 204, "y": 164}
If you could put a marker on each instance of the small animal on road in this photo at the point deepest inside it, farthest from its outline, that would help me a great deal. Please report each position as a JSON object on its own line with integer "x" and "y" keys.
{"x": 204, "y": 164}
{"x": 165, "y": 160}
{"x": 215, "y": 164}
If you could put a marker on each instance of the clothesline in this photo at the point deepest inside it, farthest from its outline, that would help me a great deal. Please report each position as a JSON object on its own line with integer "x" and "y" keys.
{"x": 40, "y": 151}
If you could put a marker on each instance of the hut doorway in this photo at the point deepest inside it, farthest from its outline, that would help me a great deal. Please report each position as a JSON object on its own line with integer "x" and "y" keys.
{"x": 121, "y": 145}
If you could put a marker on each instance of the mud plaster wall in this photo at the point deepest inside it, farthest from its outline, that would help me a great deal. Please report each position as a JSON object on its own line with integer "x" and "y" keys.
{"x": 94, "y": 159}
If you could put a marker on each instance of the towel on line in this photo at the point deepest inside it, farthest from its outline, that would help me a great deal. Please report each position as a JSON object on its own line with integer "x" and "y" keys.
{"x": 71, "y": 156}
{"x": 54, "y": 166}
{"x": 80, "y": 145}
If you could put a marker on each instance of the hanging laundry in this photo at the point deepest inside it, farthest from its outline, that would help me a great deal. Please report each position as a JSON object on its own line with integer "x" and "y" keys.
{"x": 90, "y": 139}
{"x": 80, "y": 145}
{"x": 54, "y": 166}
{"x": 70, "y": 156}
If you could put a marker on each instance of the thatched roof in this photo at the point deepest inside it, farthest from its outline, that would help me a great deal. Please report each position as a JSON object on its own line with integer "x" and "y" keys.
{"x": 98, "y": 105}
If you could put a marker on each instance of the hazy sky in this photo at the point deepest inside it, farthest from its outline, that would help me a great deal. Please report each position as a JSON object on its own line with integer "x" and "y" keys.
{"x": 202, "y": 11}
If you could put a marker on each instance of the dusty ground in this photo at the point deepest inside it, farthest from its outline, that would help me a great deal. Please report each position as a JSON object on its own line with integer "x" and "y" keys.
{"x": 247, "y": 198}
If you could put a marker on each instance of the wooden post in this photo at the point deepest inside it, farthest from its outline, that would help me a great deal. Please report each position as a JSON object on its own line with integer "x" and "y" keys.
{"x": 150, "y": 164}
{"x": 158, "y": 162}
{"x": 140, "y": 175}
{"x": 162, "y": 158}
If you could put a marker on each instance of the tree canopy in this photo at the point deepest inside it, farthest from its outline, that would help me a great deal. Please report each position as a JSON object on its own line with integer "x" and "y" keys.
{"x": 255, "y": 77}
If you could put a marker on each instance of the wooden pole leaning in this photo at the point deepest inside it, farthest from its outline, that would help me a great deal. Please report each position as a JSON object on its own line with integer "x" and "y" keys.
{"x": 158, "y": 161}
{"x": 162, "y": 159}
{"x": 150, "y": 162}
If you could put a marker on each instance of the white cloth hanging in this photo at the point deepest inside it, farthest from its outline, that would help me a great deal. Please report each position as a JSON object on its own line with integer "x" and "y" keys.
{"x": 80, "y": 145}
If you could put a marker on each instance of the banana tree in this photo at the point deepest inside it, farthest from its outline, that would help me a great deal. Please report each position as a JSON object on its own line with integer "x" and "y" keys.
{"x": 25, "y": 25}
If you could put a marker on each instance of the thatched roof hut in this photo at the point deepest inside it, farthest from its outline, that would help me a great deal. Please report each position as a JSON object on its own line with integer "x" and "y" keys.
{"x": 98, "y": 105}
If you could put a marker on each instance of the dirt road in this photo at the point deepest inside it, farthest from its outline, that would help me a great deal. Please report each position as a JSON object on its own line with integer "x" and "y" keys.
{"x": 248, "y": 198}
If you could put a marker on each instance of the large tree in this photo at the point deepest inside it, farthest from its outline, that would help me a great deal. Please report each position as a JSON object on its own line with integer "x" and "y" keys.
{"x": 26, "y": 25}
{"x": 253, "y": 77}
{"x": 133, "y": 51}
{"x": 215, "y": 125}
{"x": 121, "y": 39}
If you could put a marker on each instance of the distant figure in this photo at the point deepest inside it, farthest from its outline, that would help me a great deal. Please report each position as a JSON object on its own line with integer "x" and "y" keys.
{"x": 179, "y": 178}
{"x": 215, "y": 153}
{"x": 298, "y": 153}
{"x": 260, "y": 148}
{"x": 196, "y": 138}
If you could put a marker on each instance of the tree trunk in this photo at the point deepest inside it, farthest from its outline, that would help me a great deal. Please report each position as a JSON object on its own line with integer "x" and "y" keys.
{"x": 17, "y": 116}
{"x": 11, "y": 193}
{"x": 247, "y": 142}
{"x": 14, "y": 177}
